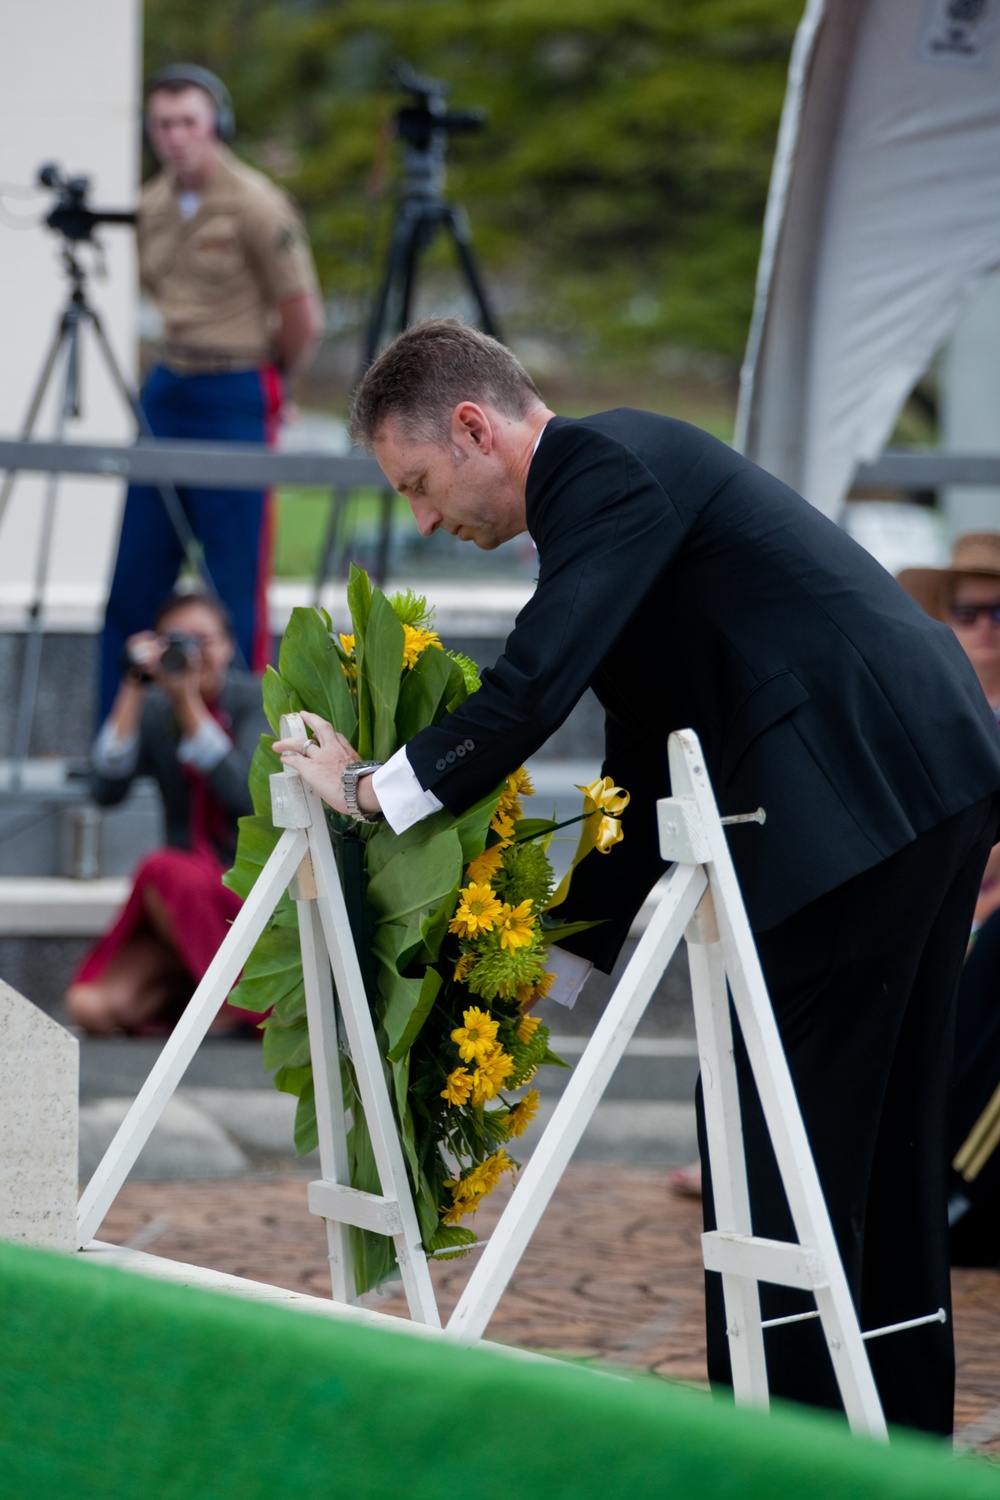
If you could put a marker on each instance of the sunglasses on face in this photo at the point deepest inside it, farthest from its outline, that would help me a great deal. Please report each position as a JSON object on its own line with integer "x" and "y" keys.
{"x": 968, "y": 614}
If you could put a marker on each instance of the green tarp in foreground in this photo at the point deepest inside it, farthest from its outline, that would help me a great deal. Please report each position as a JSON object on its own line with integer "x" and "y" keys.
{"x": 113, "y": 1387}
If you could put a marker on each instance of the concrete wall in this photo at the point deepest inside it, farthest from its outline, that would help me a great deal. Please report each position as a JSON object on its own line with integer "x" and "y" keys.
{"x": 70, "y": 94}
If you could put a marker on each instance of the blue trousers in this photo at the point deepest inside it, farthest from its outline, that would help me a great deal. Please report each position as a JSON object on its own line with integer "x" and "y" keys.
{"x": 233, "y": 526}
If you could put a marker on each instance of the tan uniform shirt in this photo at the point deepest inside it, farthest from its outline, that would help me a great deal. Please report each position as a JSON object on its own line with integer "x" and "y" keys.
{"x": 218, "y": 276}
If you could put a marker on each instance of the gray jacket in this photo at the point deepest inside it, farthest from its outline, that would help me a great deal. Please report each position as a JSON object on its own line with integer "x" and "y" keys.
{"x": 242, "y": 715}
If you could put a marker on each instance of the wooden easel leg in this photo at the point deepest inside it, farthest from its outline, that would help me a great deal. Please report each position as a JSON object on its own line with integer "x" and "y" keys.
{"x": 574, "y": 1109}
{"x": 797, "y": 1168}
{"x": 370, "y": 1071}
{"x": 187, "y": 1035}
{"x": 724, "y": 1129}
{"x": 330, "y": 1124}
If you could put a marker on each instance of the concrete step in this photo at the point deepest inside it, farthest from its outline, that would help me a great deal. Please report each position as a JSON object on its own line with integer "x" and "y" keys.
{"x": 226, "y": 1121}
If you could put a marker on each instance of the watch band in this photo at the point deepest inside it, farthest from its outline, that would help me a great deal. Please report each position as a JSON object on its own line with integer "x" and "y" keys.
{"x": 350, "y": 777}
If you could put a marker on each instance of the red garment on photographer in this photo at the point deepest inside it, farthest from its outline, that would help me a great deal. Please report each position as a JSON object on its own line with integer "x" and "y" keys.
{"x": 199, "y": 908}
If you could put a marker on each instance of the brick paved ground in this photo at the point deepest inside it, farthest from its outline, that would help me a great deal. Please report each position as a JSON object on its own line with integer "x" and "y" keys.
{"x": 613, "y": 1272}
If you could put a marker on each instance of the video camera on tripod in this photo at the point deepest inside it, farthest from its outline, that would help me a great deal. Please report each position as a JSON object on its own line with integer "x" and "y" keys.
{"x": 72, "y": 217}
{"x": 423, "y": 128}
{"x": 416, "y": 123}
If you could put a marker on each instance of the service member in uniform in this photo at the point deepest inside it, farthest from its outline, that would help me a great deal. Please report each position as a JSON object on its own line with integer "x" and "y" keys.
{"x": 225, "y": 257}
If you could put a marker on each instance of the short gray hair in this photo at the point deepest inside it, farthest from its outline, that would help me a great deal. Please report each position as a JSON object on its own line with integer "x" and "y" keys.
{"x": 427, "y": 370}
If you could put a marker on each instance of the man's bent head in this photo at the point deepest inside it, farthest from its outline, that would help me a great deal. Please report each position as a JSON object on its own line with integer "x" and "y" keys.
{"x": 427, "y": 371}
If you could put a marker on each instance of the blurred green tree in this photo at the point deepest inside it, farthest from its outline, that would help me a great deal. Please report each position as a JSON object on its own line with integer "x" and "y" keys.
{"x": 618, "y": 192}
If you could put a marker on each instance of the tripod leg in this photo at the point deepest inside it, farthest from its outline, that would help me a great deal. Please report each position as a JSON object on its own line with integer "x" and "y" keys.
{"x": 381, "y": 569}
{"x": 457, "y": 224}
{"x": 331, "y": 542}
{"x": 31, "y": 664}
{"x": 34, "y": 407}
{"x": 421, "y": 234}
{"x": 400, "y": 255}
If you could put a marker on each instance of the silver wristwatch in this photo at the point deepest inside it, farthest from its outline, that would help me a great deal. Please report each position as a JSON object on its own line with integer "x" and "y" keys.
{"x": 350, "y": 776}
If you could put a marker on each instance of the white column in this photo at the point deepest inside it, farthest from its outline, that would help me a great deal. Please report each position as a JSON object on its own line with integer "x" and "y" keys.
{"x": 970, "y": 407}
{"x": 39, "y": 1113}
{"x": 71, "y": 75}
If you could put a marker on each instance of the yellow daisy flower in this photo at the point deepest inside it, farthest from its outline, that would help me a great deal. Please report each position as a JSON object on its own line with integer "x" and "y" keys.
{"x": 416, "y": 642}
{"x": 502, "y": 823}
{"x": 519, "y": 783}
{"x": 467, "y": 1192}
{"x": 463, "y": 967}
{"x": 347, "y": 641}
{"x": 517, "y": 926}
{"x": 491, "y": 1071}
{"x": 527, "y": 1028}
{"x": 485, "y": 865}
{"x": 478, "y": 909}
{"x": 523, "y": 1113}
{"x": 477, "y": 1038}
{"x": 458, "y": 1087}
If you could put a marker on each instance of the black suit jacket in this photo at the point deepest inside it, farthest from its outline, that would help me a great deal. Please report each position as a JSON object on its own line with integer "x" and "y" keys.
{"x": 242, "y": 713}
{"x": 691, "y": 589}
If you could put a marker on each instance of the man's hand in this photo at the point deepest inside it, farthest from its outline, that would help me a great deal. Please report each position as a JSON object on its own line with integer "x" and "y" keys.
{"x": 321, "y": 763}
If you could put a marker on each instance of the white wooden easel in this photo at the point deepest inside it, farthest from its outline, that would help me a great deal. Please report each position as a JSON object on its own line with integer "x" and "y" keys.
{"x": 701, "y": 902}
{"x": 303, "y": 862}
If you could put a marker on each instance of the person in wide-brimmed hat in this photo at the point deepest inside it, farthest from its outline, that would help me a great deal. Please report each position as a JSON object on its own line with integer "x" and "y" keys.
{"x": 966, "y": 595}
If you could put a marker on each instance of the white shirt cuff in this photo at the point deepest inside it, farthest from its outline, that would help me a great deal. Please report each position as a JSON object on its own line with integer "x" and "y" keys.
{"x": 113, "y": 757}
{"x": 206, "y": 748}
{"x": 400, "y": 796}
{"x": 571, "y": 972}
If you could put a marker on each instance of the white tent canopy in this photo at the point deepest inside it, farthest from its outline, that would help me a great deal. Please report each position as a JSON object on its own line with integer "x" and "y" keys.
{"x": 883, "y": 218}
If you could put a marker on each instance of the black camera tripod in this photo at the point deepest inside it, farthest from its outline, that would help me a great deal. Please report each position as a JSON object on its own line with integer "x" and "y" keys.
{"x": 76, "y": 223}
{"x": 421, "y": 211}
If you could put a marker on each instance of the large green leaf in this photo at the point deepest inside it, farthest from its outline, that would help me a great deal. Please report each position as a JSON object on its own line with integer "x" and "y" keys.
{"x": 380, "y": 659}
{"x": 257, "y": 839}
{"x": 426, "y": 688}
{"x": 417, "y": 878}
{"x": 408, "y": 1007}
{"x": 263, "y": 766}
{"x": 560, "y": 930}
{"x": 470, "y": 826}
{"x": 286, "y": 1046}
{"x": 272, "y": 972}
{"x": 279, "y": 699}
{"x": 311, "y": 668}
{"x": 292, "y": 1080}
{"x": 306, "y": 1133}
{"x": 359, "y": 599}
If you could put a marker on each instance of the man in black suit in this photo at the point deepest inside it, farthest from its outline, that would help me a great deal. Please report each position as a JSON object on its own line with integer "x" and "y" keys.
{"x": 689, "y": 588}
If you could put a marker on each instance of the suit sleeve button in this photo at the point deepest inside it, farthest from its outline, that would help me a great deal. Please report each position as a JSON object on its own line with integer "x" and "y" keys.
{"x": 460, "y": 751}
{"x": 442, "y": 765}
{"x": 470, "y": 744}
{"x": 450, "y": 757}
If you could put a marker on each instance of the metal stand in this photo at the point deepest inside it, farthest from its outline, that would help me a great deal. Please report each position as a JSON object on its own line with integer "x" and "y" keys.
{"x": 701, "y": 903}
{"x": 420, "y": 213}
{"x": 76, "y": 313}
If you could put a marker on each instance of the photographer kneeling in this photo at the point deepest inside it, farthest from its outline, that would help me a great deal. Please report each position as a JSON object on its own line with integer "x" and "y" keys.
{"x": 182, "y": 716}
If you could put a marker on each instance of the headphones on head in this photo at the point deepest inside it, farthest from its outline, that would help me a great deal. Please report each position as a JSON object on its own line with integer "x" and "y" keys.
{"x": 199, "y": 78}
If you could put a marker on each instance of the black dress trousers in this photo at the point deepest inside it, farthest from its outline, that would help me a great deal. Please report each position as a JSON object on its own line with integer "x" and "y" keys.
{"x": 863, "y": 984}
